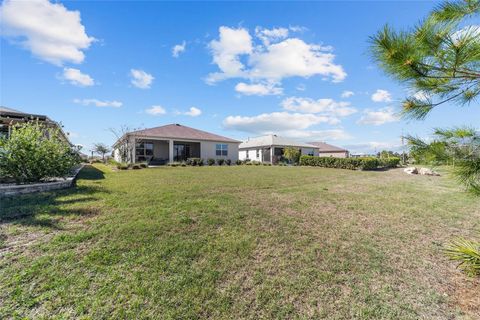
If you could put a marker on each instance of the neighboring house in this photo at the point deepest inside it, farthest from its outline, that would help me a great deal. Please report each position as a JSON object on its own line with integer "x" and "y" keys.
{"x": 270, "y": 148}
{"x": 173, "y": 142}
{"x": 10, "y": 117}
{"x": 327, "y": 150}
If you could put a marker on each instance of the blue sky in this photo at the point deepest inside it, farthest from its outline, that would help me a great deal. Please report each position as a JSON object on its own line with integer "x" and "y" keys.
{"x": 239, "y": 69}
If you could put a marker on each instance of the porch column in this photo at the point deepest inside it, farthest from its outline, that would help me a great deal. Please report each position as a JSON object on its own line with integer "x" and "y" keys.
{"x": 272, "y": 152}
{"x": 132, "y": 152}
{"x": 170, "y": 150}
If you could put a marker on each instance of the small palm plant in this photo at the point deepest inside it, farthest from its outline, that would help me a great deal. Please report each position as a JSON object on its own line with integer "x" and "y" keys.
{"x": 467, "y": 253}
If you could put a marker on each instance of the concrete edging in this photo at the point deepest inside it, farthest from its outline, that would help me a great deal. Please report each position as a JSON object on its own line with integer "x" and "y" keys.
{"x": 19, "y": 189}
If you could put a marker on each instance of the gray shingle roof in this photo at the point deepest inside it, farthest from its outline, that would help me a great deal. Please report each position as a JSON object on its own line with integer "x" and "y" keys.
{"x": 273, "y": 140}
{"x": 325, "y": 147}
{"x": 177, "y": 131}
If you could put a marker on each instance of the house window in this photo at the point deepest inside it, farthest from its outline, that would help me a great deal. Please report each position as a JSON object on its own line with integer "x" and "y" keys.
{"x": 221, "y": 150}
{"x": 247, "y": 155}
{"x": 258, "y": 153}
{"x": 310, "y": 152}
{"x": 143, "y": 150}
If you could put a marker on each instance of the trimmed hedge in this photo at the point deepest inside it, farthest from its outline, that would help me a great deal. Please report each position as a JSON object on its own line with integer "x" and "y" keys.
{"x": 366, "y": 163}
{"x": 391, "y": 162}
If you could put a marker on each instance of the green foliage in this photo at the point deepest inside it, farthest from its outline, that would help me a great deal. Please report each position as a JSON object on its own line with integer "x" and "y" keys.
{"x": 239, "y": 162}
{"x": 210, "y": 161}
{"x": 122, "y": 166}
{"x": 34, "y": 152}
{"x": 136, "y": 166}
{"x": 291, "y": 154}
{"x": 459, "y": 146}
{"x": 366, "y": 163}
{"x": 467, "y": 253}
{"x": 220, "y": 162}
{"x": 194, "y": 162}
{"x": 228, "y": 162}
{"x": 391, "y": 162}
{"x": 438, "y": 59}
{"x": 101, "y": 149}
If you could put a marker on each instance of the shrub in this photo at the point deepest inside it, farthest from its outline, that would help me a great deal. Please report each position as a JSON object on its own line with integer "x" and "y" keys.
{"x": 183, "y": 164}
{"x": 228, "y": 162}
{"x": 467, "y": 253}
{"x": 267, "y": 164}
{"x": 34, "y": 152}
{"x": 174, "y": 164}
{"x": 136, "y": 166}
{"x": 366, "y": 163}
{"x": 122, "y": 166}
{"x": 220, "y": 162}
{"x": 239, "y": 162}
{"x": 391, "y": 162}
{"x": 210, "y": 161}
{"x": 194, "y": 162}
{"x": 144, "y": 165}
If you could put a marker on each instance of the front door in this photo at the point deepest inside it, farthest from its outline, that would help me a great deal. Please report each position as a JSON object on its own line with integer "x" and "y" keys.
{"x": 181, "y": 152}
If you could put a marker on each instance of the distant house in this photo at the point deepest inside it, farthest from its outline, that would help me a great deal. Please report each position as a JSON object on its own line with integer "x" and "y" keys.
{"x": 10, "y": 117}
{"x": 328, "y": 150}
{"x": 270, "y": 148}
{"x": 171, "y": 143}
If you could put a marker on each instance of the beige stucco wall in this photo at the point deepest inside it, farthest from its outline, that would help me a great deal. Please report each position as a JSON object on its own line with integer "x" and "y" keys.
{"x": 207, "y": 149}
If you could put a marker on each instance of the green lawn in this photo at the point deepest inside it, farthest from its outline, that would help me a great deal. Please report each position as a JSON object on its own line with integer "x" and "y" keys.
{"x": 238, "y": 242}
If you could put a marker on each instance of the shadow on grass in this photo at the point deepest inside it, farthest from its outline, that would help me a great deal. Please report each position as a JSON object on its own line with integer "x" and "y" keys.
{"x": 43, "y": 209}
{"x": 90, "y": 173}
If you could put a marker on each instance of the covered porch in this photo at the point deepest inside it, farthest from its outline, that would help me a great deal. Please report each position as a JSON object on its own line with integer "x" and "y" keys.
{"x": 159, "y": 152}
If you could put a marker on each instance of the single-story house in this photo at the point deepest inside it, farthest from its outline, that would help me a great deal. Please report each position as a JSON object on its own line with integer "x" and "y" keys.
{"x": 328, "y": 150}
{"x": 10, "y": 117}
{"x": 270, "y": 148}
{"x": 171, "y": 143}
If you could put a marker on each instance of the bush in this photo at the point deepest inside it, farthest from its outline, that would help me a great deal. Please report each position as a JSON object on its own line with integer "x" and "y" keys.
{"x": 194, "y": 162}
{"x": 367, "y": 163}
{"x": 256, "y": 163}
{"x": 467, "y": 253}
{"x": 228, "y": 162}
{"x": 220, "y": 162}
{"x": 136, "y": 166}
{"x": 144, "y": 165}
{"x": 391, "y": 162}
{"x": 34, "y": 152}
{"x": 267, "y": 164}
{"x": 122, "y": 166}
{"x": 239, "y": 162}
{"x": 173, "y": 164}
{"x": 210, "y": 162}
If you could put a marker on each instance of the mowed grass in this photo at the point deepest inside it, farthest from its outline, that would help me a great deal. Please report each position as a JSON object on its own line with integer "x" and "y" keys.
{"x": 238, "y": 242}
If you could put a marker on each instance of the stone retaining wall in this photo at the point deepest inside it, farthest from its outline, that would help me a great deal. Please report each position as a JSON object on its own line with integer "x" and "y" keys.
{"x": 18, "y": 189}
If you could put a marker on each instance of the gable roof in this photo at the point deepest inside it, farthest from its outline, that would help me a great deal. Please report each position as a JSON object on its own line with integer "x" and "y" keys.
{"x": 12, "y": 113}
{"x": 325, "y": 147}
{"x": 178, "y": 131}
{"x": 272, "y": 140}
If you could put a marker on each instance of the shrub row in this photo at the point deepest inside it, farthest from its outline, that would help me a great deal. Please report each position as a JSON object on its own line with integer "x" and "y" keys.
{"x": 135, "y": 166}
{"x": 200, "y": 162}
{"x": 366, "y": 163}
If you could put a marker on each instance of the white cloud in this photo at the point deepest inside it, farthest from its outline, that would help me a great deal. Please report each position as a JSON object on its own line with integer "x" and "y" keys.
{"x": 225, "y": 51}
{"x": 271, "y": 35}
{"x": 378, "y": 117}
{"x": 297, "y": 28}
{"x": 301, "y": 87}
{"x": 270, "y": 61}
{"x": 48, "y": 30}
{"x": 193, "y": 112}
{"x": 141, "y": 79}
{"x": 325, "y": 106}
{"x": 275, "y": 122}
{"x": 98, "y": 103}
{"x": 258, "y": 89}
{"x": 77, "y": 78}
{"x": 156, "y": 110}
{"x": 319, "y": 135}
{"x": 347, "y": 94}
{"x": 381, "y": 96}
{"x": 178, "y": 49}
